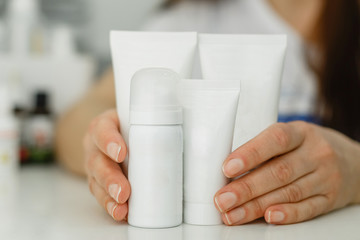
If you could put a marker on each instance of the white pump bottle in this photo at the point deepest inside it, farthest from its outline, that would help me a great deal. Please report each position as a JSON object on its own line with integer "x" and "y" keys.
{"x": 155, "y": 150}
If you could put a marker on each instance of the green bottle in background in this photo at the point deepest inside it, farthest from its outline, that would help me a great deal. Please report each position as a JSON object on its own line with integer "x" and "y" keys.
{"x": 39, "y": 131}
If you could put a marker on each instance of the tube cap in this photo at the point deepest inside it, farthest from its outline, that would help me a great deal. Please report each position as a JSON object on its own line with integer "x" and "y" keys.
{"x": 24, "y": 9}
{"x": 201, "y": 214}
{"x": 154, "y": 98}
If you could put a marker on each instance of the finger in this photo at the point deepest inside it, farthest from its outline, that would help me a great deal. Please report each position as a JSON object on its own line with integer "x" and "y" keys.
{"x": 297, "y": 191}
{"x": 110, "y": 177}
{"x": 89, "y": 150}
{"x": 274, "y": 174}
{"x": 105, "y": 133}
{"x": 278, "y": 139}
{"x": 297, "y": 212}
{"x": 117, "y": 211}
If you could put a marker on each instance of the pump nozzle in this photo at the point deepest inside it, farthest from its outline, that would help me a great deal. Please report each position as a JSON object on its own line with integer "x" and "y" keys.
{"x": 153, "y": 97}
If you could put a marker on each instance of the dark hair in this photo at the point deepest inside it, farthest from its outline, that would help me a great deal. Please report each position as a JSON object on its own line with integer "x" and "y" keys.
{"x": 337, "y": 36}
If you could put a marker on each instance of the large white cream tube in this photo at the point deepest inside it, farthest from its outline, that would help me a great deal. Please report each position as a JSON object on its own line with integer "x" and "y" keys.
{"x": 209, "y": 117}
{"x": 132, "y": 51}
{"x": 258, "y": 61}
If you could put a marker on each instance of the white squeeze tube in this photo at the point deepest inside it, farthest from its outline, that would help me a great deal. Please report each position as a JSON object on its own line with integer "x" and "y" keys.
{"x": 209, "y": 117}
{"x": 258, "y": 61}
{"x": 132, "y": 51}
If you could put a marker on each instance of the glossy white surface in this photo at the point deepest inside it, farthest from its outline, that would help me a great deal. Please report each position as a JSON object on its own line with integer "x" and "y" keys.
{"x": 49, "y": 203}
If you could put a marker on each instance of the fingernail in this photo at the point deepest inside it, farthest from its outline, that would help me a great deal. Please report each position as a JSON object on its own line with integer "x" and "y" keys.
{"x": 235, "y": 215}
{"x": 233, "y": 167}
{"x": 114, "y": 191}
{"x": 113, "y": 150}
{"x": 227, "y": 219}
{"x": 275, "y": 216}
{"x": 225, "y": 201}
{"x": 111, "y": 206}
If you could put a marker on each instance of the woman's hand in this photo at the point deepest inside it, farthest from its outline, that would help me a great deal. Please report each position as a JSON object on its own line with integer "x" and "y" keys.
{"x": 104, "y": 150}
{"x": 300, "y": 171}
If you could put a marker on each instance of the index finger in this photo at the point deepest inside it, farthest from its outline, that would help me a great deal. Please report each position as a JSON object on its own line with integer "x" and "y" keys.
{"x": 276, "y": 140}
{"x": 105, "y": 133}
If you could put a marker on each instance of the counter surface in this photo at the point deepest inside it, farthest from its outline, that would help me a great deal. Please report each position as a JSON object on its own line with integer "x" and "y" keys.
{"x": 49, "y": 203}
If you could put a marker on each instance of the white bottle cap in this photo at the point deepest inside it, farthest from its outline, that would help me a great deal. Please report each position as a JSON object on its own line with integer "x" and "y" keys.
{"x": 154, "y": 98}
{"x": 63, "y": 43}
{"x": 24, "y": 9}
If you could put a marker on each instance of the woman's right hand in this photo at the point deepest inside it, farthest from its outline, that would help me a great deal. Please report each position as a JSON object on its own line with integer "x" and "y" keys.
{"x": 104, "y": 150}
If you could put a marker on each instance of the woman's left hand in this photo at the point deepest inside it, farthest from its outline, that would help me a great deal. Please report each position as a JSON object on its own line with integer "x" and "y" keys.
{"x": 300, "y": 171}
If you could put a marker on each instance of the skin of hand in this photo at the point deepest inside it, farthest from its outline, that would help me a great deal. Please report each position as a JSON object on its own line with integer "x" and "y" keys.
{"x": 296, "y": 171}
{"x": 73, "y": 125}
{"x": 105, "y": 149}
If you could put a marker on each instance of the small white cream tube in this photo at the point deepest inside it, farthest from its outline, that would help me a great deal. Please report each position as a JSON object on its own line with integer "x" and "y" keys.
{"x": 258, "y": 61}
{"x": 132, "y": 51}
{"x": 209, "y": 117}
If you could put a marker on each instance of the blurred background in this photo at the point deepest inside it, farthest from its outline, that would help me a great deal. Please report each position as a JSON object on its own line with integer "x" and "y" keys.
{"x": 50, "y": 53}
